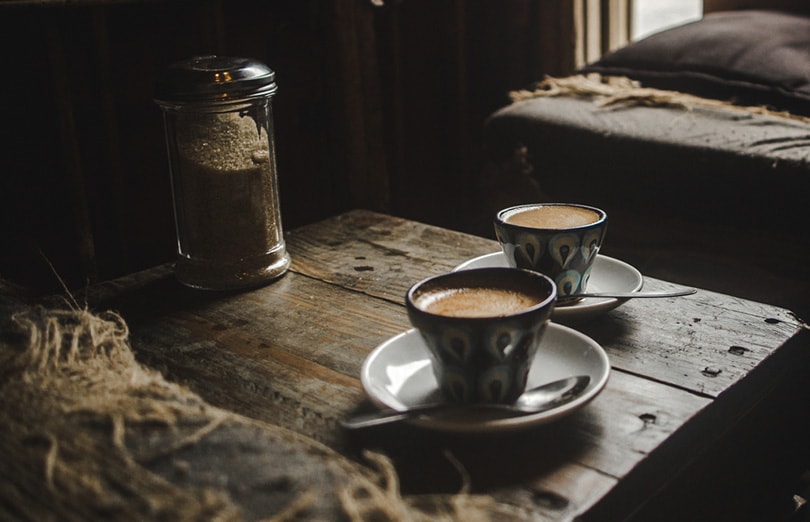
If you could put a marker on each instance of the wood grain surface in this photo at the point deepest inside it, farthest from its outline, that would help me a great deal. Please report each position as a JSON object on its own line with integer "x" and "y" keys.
{"x": 686, "y": 373}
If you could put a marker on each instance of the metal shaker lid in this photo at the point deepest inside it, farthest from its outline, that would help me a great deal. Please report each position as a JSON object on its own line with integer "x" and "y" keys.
{"x": 215, "y": 78}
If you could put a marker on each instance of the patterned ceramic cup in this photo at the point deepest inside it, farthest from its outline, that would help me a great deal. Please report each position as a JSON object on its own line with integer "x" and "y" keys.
{"x": 560, "y": 240}
{"x": 482, "y": 328}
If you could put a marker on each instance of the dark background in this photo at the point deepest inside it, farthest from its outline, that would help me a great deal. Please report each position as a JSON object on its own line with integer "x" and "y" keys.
{"x": 378, "y": 107}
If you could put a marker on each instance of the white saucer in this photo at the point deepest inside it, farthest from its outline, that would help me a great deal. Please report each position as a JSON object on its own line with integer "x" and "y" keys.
{"x": 398, "y": 375}
{"x": 607, "y": 275}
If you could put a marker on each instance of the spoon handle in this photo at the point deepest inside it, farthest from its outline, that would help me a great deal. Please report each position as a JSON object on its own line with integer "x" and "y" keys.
{"x": 535, "y": 400}
{"x": 377, "y": 418}
{"x": 631, "y": 295}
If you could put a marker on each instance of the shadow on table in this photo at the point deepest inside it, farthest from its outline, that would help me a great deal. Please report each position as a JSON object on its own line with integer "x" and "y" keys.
{"x": 430, "y": 461}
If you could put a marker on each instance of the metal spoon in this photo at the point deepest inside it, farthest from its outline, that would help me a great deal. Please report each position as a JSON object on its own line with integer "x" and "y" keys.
{"x": 535, "y": 400}
{"x": 571, "y": 299}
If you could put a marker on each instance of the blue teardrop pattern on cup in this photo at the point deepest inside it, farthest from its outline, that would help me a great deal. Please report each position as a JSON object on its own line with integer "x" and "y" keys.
{"x": 528, "y": 249}
{"x": 590, "y": 245}
{"x": 495, "y": 384}
{"x": 457, "y": 344}
{"x": 523, "y": 349}
{"x": 568, "y": 282}
{"x": 457, "y": 384}
{"x": 583, "y": 284}
{"x": 564, "y": 248}
{"x": 499, "y": 342}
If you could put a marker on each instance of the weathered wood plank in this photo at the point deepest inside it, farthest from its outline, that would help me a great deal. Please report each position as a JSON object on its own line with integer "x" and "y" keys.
{"x": 698, "y": 343}
{"x": 290, "y": 354}
{"x": 703, "y": 343}
{"x": 92, "y": 435}
{"x": 592, "y": 449}
{"x": 562, "y": 493}
{"x": 378, "y": 254}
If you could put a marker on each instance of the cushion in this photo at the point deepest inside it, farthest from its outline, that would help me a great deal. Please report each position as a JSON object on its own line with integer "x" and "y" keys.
{"x": 690, "y": 192}
{"x": 751, "y": 57}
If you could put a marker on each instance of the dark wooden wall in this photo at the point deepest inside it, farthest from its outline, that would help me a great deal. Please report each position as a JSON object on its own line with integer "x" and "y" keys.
{"x": 378, "y": 107}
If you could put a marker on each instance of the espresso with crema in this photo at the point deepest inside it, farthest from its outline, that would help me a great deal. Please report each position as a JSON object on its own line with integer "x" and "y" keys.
{"x": 476, "y": 302}
{"x": 553, "y": 217}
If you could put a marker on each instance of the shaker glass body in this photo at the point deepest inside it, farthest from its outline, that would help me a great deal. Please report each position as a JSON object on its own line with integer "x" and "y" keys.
{"x": 225, "y": 191}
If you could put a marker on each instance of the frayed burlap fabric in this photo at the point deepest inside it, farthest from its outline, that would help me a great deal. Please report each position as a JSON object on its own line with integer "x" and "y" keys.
{"x": 89, "y": 434}
{"x": 620, "y": 91}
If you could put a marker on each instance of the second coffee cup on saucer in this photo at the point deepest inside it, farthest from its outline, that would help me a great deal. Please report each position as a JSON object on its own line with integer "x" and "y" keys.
{"x": 560, "y": 240}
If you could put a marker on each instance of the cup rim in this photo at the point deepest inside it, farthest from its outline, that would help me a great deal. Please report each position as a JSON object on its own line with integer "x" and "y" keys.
{"x": 549, "y": 300}
{"x": 500, "y": 216}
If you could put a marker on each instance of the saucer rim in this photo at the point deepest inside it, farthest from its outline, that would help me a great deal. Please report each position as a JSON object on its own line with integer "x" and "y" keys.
{"x": 598, "y": 382}
{"x": 589, "y": 306}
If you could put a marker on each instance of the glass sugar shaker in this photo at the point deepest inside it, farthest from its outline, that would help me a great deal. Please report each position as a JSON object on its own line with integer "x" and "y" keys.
{"x": 218, "y": 118}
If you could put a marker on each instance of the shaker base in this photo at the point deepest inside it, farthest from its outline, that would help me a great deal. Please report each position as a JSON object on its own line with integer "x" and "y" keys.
{"x": 205, "y": 274}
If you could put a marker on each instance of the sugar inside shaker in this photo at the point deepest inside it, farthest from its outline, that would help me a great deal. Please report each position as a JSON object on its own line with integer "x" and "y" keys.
{"x": 218, "y": 120}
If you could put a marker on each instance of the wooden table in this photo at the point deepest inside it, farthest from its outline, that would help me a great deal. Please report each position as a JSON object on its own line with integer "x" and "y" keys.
{"x": 704, "y": 412}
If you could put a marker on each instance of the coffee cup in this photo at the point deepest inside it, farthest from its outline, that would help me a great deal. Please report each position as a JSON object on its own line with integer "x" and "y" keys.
{"x": 482, "y": 328}
{"x": 560, "y": 240}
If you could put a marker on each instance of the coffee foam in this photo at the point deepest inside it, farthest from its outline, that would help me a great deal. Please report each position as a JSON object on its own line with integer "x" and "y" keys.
{"x": 475, "y": 302}
{"x": 553, "y": 217}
